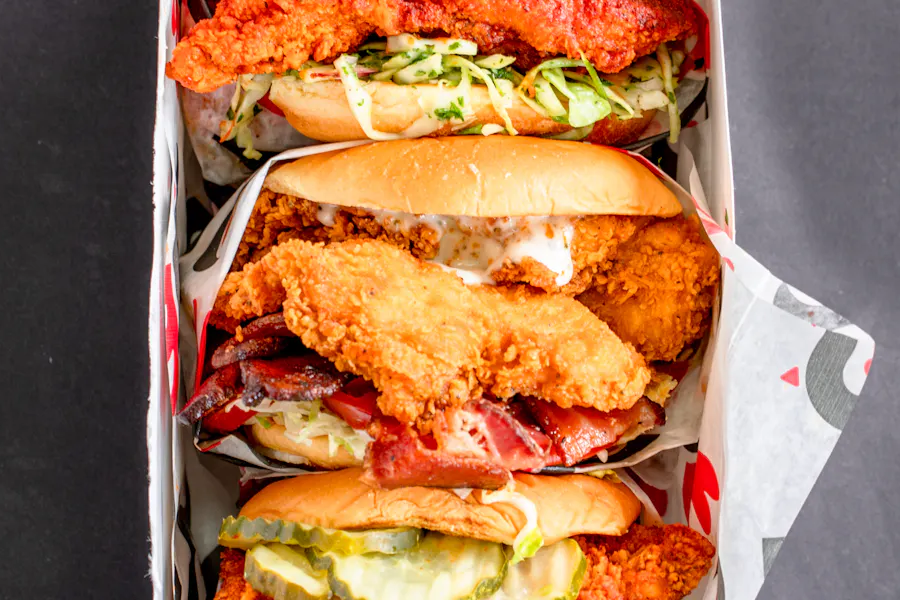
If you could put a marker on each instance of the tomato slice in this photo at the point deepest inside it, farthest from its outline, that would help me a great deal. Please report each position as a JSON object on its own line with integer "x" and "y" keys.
{"x": 355, "y": 403}
{"x": 226, "y": 421}
{"x": 269, "y": 105}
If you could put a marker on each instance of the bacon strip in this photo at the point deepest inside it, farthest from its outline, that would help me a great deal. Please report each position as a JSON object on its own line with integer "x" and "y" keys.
{"x": 580, "y": 433}
{"x": 219, "y": 389}
{"x": 290, "y": 379}
{"x": 234, "y": 351}
{"x": 399, "y": 457}
{"x": 268, "y": 326}
{"x": 487, "y": 430}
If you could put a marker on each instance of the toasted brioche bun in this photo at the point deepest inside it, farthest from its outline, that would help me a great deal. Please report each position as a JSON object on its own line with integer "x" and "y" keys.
{"x": 320, "y": 111}
{"x": 567, "y": 505}
{"x": 273, "y": 442}
{"x": 495, "y": 176}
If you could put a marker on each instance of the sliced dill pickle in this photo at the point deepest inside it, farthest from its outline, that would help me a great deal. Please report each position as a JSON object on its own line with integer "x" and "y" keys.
{"x": 277, "y": 571}
{"x": 241, "y": 532}
{"x": 440, "y": 568}
{"x": 556, "y": 572}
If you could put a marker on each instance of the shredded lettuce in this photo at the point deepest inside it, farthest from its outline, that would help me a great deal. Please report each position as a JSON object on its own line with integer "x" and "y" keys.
{"x": 265, "y": 422}
{"x": 529, "y": 539}
{"x": 305, "y": 421}
{"x": 496, "y": 99}
{"x": 248, "y": 91}
{"x": 359, "y": 99}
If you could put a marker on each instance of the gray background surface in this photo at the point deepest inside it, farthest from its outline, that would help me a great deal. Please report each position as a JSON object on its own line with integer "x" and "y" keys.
{"x": 813, "y": 94}
{"x": 813, "y": 90}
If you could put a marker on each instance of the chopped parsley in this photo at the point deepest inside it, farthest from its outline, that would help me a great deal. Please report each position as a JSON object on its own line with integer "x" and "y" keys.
{"x": 504, "y": 73}
{"x": 454, "y": 46}
{"x": 473, "y": 130}
{"x": 452, "y": 112}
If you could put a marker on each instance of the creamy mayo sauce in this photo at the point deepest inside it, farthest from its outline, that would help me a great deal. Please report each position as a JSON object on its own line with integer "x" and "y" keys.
{"x": 474, "y": 247}
{"x": 325, "y": 213}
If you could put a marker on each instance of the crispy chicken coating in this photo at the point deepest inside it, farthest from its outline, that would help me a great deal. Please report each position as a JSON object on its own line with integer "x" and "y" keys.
{"x": 427, "y": 340}
{"x": 659, "y": 291}
{"x": 272, "y": 36}
{"x": 652, "y": 280}
{"x": 647, "y": 563}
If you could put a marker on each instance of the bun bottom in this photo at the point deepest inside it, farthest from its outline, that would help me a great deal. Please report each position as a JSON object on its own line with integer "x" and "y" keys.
{"x": 275, "y": 444}
{"x": 320, "y": 111}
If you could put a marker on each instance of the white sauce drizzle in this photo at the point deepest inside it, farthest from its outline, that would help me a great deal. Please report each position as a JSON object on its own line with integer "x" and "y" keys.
{"x": 325, "y": 213}
{"x": 475, "y": 247}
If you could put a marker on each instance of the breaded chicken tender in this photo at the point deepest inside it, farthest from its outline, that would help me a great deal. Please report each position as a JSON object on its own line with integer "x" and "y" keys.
{"x": 272, "y": 36}
{"x": 427, "y": 340}
{"x": 652, "y": 280}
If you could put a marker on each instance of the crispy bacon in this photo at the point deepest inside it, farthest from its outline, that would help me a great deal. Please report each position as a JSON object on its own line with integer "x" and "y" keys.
{"x": 234, "y": 351}
{"x": 476, "y": 445}
{"x": 268, "y": 326}
{"x": 580, "y": 433}
{"x": 400, "y": 457}
{"x": 219, "y": 389}
{"x": 485, "y": 429}
{"x": 290, "y": 379}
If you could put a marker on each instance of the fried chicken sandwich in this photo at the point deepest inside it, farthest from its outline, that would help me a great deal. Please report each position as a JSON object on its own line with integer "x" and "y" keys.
{"x": 356, "y": 69}
{"x": 565, "y": 537}
{"x": 450, "y": 311}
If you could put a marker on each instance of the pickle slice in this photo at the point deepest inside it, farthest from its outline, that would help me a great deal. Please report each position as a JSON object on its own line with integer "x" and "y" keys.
{"x": 556, "y": 572}
{"x": 244, "y": 533}
{"x": 440, "y": 568}
{"x": 277, "y": 571}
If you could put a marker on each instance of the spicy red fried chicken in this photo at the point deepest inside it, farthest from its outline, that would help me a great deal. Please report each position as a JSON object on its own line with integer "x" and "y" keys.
{"x": 420, "y": 308}
{"x": 355, "y": 69}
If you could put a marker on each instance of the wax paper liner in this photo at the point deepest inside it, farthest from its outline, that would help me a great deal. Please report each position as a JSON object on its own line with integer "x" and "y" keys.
{"x": 780, "y": 378}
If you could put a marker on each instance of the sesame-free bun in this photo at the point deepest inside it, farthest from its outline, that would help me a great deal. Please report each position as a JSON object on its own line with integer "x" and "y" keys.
{"x": 566, "y": 505}
{"x": 273, "y": 442}
{"x": 320, "y": 111}
{"x": 477, "y": 176}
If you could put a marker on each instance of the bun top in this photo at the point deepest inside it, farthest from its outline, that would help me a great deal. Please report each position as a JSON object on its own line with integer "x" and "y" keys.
{"x": 567, "y": 505}
{"x": 478, "y": 176}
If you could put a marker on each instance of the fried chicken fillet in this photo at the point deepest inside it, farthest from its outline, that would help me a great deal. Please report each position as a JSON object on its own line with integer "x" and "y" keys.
{"x": 427, "y": 340}
{"x": 272, "y": 36}
{"x": 647, "y": 563}
{"x": 659, "y": 291}
{"x": 652, "y": 280}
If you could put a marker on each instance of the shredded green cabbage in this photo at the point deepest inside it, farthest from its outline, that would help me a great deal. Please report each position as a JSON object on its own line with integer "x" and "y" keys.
{"x": 668, "y": 80}
{"x": 564, "y": 89}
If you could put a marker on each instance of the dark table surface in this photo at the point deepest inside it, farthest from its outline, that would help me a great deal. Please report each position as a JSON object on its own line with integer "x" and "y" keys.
{"x": 813, "y": 95}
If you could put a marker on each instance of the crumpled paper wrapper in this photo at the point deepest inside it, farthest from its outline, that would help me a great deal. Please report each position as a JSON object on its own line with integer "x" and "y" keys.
{"x": 777, "y": 381}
